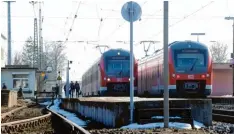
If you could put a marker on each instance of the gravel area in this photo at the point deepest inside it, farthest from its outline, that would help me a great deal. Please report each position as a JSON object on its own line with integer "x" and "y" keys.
{"x": 26, "y": 113}
{"x": 217, "y": 128}
{"x": 147, "y": 131}
{"x": 7, "y": 109}
{"x": 20, "y": 102}
{"x": 221, "y": 128}
{"x": 223, "y": 106}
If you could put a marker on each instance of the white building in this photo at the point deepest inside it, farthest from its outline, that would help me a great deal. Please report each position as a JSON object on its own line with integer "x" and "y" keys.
{"x": 3, "y": 41}
{"x": 15, "y": 76}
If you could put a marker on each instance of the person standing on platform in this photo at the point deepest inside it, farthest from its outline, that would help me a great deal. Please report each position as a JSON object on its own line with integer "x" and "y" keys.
{"x": 4, "y": 86}
{"x": 56, "y": 90}
{"x": 77, "y": 86}
{"x": 72, "y": 88}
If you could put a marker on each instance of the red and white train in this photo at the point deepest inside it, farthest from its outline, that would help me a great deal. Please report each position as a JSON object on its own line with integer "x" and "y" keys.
{"x": 109, "y": 75}
{"x": 190, "y": 70}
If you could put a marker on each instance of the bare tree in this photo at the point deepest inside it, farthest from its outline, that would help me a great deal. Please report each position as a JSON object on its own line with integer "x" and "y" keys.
{"x": 55, "y": 56}
{"x": 219, "y": 52}
{"x": 17, "y": 59}
{"x": 27, "y": 54}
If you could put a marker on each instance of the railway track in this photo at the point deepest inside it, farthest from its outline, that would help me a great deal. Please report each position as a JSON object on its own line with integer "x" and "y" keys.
{"x": 51, "y": 120}
{"x": 223, "y": 115}
{"x": 223, "y": 109}
{"x": 21, "y": 125}
{"x": 222, "y": 100}
{"x": 65, "y": 126}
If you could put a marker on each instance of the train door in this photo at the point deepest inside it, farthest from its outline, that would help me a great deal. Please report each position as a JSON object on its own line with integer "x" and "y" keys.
{"x": 139, "y": 80}
{"x": 158, "y": 78}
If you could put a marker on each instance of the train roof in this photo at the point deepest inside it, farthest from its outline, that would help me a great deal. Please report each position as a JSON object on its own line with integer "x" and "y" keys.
{"x": 174, "y": 45}
{"x": 113, "y": 52}
{"x": 183, "y": 44}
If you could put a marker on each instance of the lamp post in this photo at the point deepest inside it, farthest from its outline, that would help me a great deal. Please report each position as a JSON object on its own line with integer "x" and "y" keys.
{"x": 60, "y": 84}
{"x": 232, "y": 55}
{"x": 67, "y": 81}
{"x": 197, "y": 34}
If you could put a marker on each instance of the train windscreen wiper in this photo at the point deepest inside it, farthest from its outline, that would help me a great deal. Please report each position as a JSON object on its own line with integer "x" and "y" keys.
{"x": 194, "y": 63}
{"x": 120, "y": 72}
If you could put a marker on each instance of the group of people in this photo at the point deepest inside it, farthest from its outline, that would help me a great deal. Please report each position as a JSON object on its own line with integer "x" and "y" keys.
{"x": 73, "y": 87}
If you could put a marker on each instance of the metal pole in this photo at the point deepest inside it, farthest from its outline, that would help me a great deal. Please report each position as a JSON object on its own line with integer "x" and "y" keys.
{"x": 166, "y": 93}
{"x": 233, "y": 57}
{"x": 197, "y": 38}
{"x": 67, "y": 83}
{"x": 9, "y": 31}
{"x": 131, "y": 65}
{"x": 40, "y": 43}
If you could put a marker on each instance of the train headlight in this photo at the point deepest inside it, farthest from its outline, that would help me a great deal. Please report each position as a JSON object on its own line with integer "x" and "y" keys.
{"x": 173, "y": 75}
{"x": 177, "y": 76}
{"x": 129, "y": 79}
{"x": 108, "y": 79}
{"x": 207, "y": 75}
{"x": 203, "y": 76}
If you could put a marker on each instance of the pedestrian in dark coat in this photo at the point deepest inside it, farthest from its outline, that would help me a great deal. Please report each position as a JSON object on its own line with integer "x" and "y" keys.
{"x": 77, "y": 86}
{"x": 56, "y": 91}
{"x": 72, "y": 88}
{"x": 4, "y": 86}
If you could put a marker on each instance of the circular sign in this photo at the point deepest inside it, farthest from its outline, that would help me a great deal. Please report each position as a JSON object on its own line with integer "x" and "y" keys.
{"x": 127, "y": 8}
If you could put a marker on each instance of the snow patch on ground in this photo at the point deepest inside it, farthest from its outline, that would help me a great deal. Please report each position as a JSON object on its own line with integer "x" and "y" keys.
{"x": 161, "y": 117}
{"x": 177, "y": 125}
{"x": 46, "y": 103}
{"x": 158, "y": 125}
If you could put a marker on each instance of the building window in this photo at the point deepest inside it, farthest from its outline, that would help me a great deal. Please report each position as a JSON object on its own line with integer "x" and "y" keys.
{"x": 20, "y": 80}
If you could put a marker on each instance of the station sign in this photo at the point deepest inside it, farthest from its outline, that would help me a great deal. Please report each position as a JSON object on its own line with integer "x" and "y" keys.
{"x": 59, "y": 78}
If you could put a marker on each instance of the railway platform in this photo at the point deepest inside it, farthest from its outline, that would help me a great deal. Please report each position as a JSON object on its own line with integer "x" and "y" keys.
{"x": 115, "y": 111}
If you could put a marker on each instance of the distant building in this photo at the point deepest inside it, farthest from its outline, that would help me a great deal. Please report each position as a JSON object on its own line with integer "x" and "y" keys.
{"x": 222, "y": 79}
{"x": 3, "y": 41}
{"x": 15, "y": 76}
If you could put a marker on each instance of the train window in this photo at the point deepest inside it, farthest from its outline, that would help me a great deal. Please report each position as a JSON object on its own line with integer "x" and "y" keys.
{"x": 118, "y": 66}
{"x": 190, "y": 59}
{"x": 186, "y": 58}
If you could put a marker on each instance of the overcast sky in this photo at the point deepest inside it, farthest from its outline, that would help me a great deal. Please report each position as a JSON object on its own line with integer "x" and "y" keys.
{"x": 185, "y": 16}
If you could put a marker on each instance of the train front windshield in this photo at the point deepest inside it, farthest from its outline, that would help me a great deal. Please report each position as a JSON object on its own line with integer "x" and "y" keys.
{"x": 118, "y": 66}
{"x": 191, "y": 59}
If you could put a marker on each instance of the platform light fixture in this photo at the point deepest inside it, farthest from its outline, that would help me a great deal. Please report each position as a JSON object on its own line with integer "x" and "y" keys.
{"x": 198, "y": 34}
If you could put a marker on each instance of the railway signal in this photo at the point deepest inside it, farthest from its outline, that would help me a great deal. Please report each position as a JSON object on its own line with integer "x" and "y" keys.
{"x": 131, "y": 11}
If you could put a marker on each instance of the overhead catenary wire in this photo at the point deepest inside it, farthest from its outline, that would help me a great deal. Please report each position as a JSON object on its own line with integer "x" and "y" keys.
{"x": 66, "y": 22}
{"x": 75, "y": 16}
{"x": 184, "y": 18}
